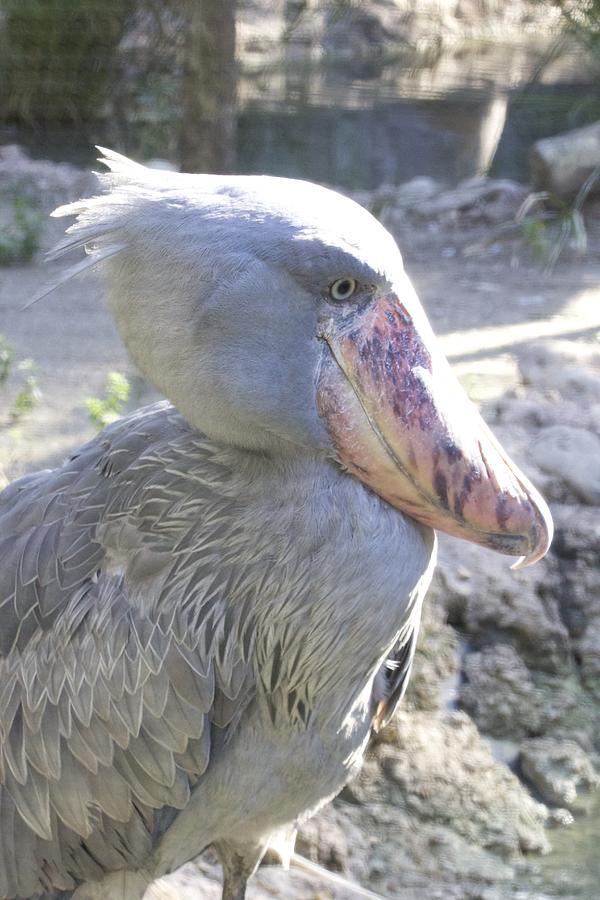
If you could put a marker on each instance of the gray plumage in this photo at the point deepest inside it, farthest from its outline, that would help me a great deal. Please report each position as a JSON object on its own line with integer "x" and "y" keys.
{"x": 197, "y": 608}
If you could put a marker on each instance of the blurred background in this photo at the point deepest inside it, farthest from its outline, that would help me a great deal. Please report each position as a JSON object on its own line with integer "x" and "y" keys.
{"x": 353, "y": 93}
{"x": 471, "y": 128}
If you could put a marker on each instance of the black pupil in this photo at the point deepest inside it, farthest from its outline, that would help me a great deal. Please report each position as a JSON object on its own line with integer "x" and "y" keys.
{"x": 343, "y": 288}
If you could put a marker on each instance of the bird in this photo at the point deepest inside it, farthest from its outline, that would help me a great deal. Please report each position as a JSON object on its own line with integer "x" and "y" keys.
{"x": 208, "y": 608}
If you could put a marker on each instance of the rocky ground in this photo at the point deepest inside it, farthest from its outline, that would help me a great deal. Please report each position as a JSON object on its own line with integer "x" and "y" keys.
{"x": 494, "y": 756}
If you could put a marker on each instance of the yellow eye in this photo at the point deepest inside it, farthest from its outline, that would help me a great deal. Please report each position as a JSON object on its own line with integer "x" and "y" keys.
{"x": 343, "y": 288}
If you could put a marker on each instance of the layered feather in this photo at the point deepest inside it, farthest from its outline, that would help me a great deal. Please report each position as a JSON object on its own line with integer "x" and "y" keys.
{"x": 110, "y": 675}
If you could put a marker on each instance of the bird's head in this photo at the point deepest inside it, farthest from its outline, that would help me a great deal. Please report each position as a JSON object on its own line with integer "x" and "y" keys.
{"x": 277, "y": 316}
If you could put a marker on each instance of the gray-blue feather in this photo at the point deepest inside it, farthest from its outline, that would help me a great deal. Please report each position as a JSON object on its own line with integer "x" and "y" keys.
{"x": 197, "y": 608}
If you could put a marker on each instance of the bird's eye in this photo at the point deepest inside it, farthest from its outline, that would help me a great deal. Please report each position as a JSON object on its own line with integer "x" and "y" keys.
{"x": 343, "y": 288}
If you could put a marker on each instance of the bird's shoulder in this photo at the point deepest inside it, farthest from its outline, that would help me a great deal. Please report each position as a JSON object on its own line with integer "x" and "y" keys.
{"x": 132, "y": 492}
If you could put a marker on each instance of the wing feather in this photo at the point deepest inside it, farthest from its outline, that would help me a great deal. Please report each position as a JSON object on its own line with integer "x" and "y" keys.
{"x": 118, "y": 655}
{"x": 396, "y": 669}
{"x": 32, "y": 800}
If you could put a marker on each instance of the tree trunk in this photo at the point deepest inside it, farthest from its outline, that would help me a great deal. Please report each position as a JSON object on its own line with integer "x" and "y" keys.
{"x": 209, "y": 87}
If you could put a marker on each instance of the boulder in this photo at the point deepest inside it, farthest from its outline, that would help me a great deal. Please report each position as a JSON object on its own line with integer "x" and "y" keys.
{"x": 559, "y": 769}
{"x": 561, "y": 164}
{"x": 577, "y": 538}
{"x": 417, "y": 190}
{"x": 500, "y": 695}
{"x": 333, "y": 840}
{"x": 570, "y": 369}
{"x": 573, "y": 454}
{"x": 443, "y": 772}
{"x": 573, "y": 578}
{"x": 475, "y": 199}
{"x": 588, "y": 651}
{"x": 444, "y": 819}
{"x": 508, "y": 701}
{"x": 491, "y": 603}
{"x": 436, "y": 663}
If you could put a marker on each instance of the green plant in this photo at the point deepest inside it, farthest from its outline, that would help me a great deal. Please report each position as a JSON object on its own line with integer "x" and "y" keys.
{"x": 534, "y": 231}
{"x": 20, "y": 237}
{"x": 104, "y": 410}
{"x": 546, "y": 224}
{"x": 7, "y": 355}
{"x": 30, "y": 394}
{"x": 57, "y": 57}
{"x": 582, "y": 18}
{"x": 548, "y": 233}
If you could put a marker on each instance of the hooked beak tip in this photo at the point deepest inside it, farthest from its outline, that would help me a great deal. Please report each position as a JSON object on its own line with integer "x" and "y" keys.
{"x": 544, "y": 535}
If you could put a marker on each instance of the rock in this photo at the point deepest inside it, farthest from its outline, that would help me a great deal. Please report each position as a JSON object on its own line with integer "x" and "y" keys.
{"x": 588, "y": 650}
{"x": 574, "y": 455}
{"x": 577, "y": 537}
{"x": 426, "y": 860}
{"x": 443, "y": 772}
{"x": 491, "y": 604}
{"x": 559, "y": 769}
{"x": 529, "y": 413}
{"x": 416, "y": 191}
{"x": 575, "y": 382}
{"x": 393, "y": 205}
{"x": 436, "y": 663}
{"x": 567, "y": 709}
{"x": 508, "y": 701}
{"x": 560, "y": 164}
{"x": 570, "y": 369}
{"x": 520, "y": 420}
{"x": 444, "y": 819}
{"x": 478, "y": 198}
{"x": 333, "y": 840}
{"x": 500, "y": 695}
{"x": 559, "y": 818}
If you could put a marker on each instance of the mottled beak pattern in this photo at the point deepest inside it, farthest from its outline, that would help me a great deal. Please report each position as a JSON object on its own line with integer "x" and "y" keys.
{"x": 402, "y": 424}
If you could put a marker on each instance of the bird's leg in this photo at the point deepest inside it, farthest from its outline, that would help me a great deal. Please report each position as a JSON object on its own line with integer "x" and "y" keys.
{"x": 234, "y": 887}
{"x": 239, "y": 862}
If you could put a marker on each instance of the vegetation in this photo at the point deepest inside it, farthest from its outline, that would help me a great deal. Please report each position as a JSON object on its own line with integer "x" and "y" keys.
{"x": 29, "y": 395}
{"x": 20, "y": 236}
{"x": 24, "y": 374}
{"x": 7, "y": 355}
{"x": 558, "y": 226}
{"x": 56, "y": 57}
{"x": 104, "y": 410}
{"x": 582, "y": 18}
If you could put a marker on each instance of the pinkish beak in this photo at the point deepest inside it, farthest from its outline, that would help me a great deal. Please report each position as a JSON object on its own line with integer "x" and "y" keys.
{"x": 402, "y": 424}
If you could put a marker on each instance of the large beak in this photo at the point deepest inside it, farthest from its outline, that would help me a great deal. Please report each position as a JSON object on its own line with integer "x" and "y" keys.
{"x": 403, "y": 425}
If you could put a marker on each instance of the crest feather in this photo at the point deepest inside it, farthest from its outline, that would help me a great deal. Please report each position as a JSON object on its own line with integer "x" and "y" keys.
{"x": 98, "y": 228}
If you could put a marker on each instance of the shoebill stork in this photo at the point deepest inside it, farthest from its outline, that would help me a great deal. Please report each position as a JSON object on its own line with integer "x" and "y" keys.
{"x": 198, "y": 606}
